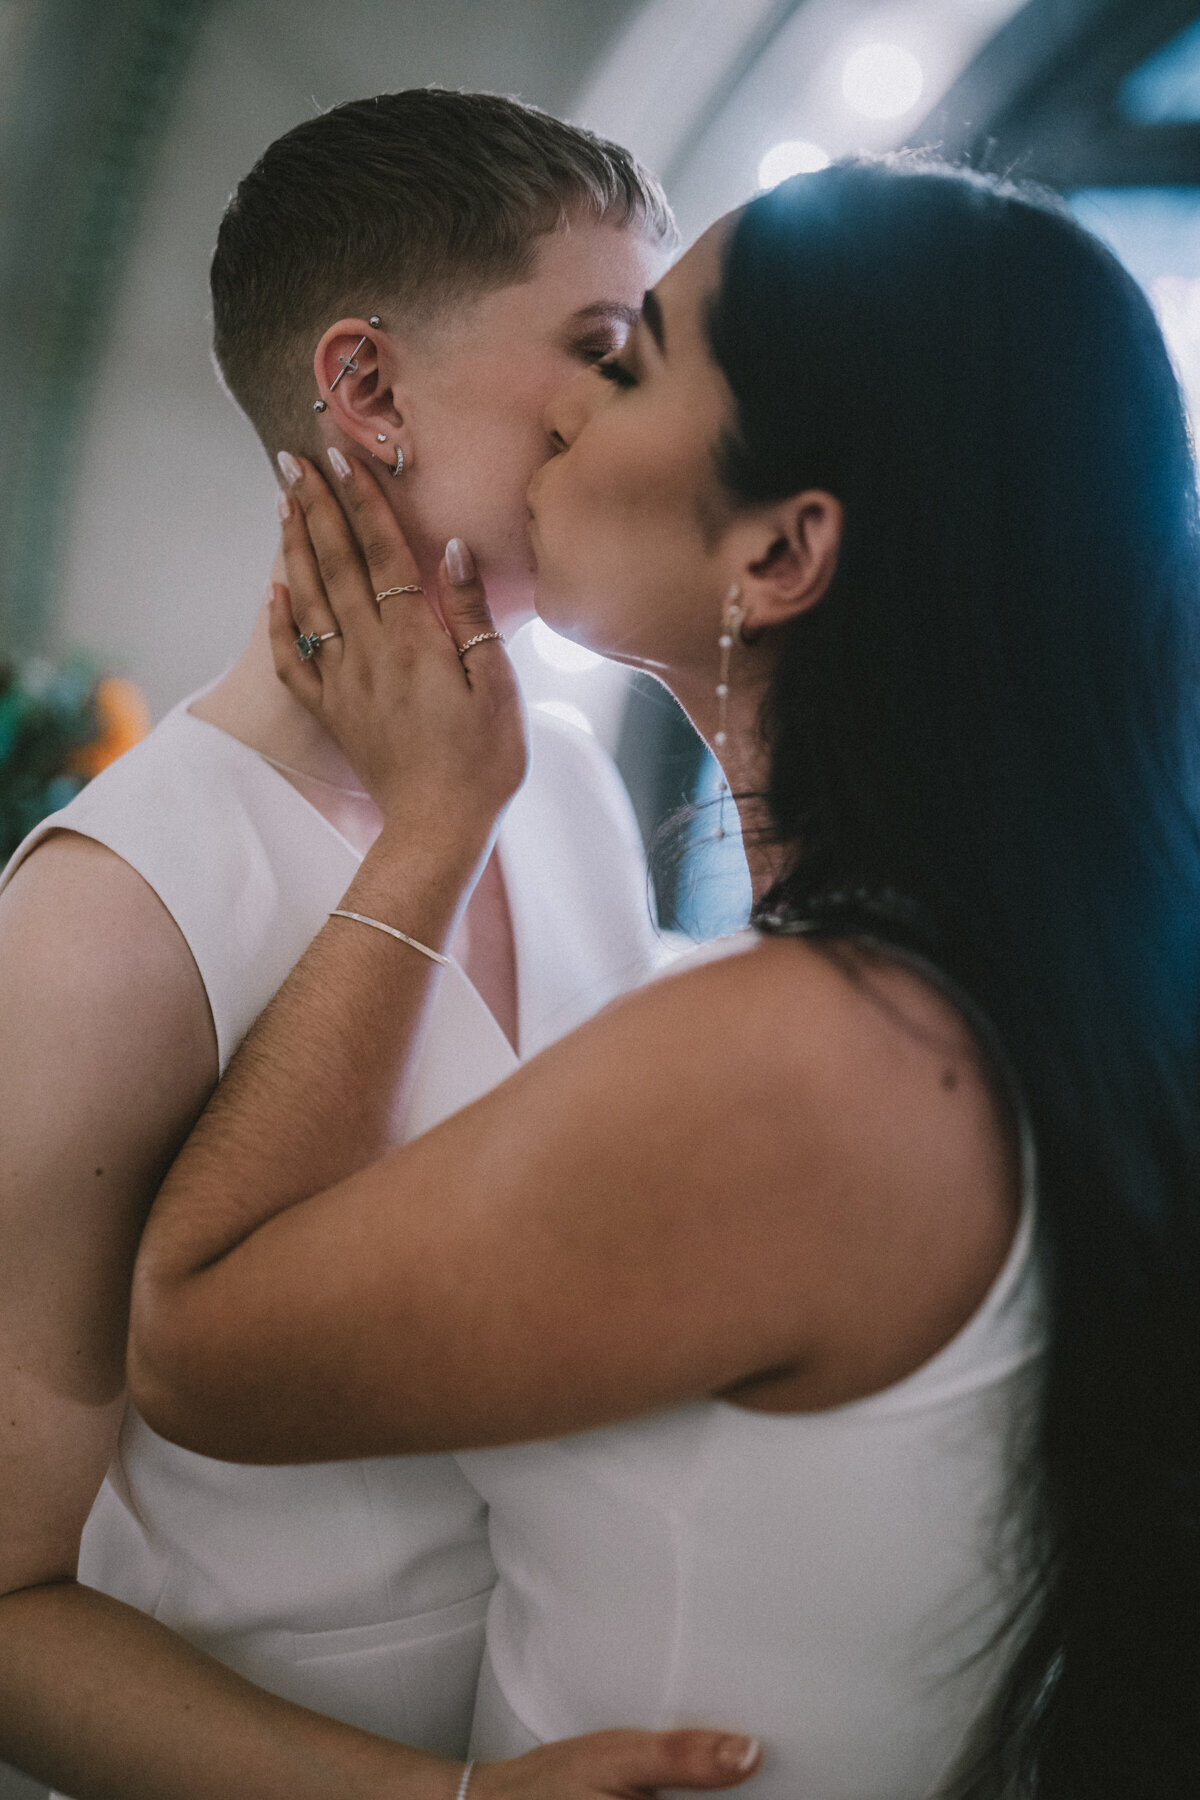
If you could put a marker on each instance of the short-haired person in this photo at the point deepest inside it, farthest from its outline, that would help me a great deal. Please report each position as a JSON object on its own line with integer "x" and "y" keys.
{"x": 857, "y": 1262}
{"x": 411, "y": 278}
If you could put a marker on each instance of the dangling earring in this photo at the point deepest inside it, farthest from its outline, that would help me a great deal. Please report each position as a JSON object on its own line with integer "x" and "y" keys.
{"x": 731, "y": 622}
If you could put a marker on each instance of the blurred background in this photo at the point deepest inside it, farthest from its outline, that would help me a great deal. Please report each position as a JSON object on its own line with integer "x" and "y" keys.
{"x": 136, "y": 508}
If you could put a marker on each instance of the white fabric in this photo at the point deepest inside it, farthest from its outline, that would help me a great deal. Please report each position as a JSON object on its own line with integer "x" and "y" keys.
{"x": 828, "y": 1581}
{"x": 357, "y": 1588}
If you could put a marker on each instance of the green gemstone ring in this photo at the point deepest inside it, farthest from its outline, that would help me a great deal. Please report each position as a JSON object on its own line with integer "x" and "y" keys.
{"x": 308, "y": 644}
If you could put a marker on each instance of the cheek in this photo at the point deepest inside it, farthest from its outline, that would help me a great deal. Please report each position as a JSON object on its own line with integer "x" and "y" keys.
{"x": 619, "y": 544}
{"x": 482, "y": 456}
{"x": 632, "y": 478}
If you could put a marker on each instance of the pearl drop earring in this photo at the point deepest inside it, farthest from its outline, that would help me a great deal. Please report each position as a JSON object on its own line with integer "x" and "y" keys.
{"x": 731, "y": 622}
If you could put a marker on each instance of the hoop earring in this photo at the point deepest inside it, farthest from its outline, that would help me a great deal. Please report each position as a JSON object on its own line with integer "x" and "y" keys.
{"x": 731, "y": 622}
{"x": 399, "y": 468}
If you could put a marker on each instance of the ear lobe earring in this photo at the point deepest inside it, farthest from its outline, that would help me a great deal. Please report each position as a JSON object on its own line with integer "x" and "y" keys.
{"x": 381, "y": 438}
{"x": 731, "y": 622}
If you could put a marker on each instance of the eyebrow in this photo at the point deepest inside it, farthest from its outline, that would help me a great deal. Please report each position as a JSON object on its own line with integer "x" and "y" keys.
{"x": 652, "y": 314}
{"x": 609, "y": 309}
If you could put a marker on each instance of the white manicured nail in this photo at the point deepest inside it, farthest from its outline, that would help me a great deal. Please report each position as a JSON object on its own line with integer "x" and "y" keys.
{"x": 338, "y": 463}
{"x": 739, "y": 1754}
{"x": 460, "y": 564}
{"x": 289, "y": 468}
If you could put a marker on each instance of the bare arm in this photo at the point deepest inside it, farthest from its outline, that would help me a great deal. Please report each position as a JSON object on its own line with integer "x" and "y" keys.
{"x": 106, "y": 1055}
{"x": 748, "y": 1169}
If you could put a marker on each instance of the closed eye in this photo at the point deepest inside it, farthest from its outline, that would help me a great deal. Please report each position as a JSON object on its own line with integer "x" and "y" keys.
{"x": 612, "y": 369}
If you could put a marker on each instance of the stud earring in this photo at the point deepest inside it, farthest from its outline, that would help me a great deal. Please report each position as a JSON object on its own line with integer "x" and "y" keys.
{"x": 731, "y": 622}
{"x": 381, "y": 437}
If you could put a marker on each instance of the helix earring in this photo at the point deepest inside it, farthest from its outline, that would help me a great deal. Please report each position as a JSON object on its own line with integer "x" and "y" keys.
{"x": 731, "y": 622}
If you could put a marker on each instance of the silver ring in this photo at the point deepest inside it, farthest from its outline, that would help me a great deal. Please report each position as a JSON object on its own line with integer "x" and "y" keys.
{"x": 388, "y": 592}
{"x": 308, "y": 643}
{"x": 481, "y": 637}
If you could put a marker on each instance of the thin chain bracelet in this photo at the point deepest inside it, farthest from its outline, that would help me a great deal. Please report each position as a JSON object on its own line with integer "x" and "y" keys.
{"x": 403, "y": 937}
{"x": 462, "y": 1786}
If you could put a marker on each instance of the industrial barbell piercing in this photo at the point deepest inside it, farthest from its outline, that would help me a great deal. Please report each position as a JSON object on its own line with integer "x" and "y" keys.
{"x": 375, "y": 320}
{"x": 319, "y": 406}
{"x": 349, "y": 363}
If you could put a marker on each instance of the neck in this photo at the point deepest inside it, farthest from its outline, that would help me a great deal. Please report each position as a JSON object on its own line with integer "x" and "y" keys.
{"x": 743, "y": 758}
{"x": 252, "y": 704}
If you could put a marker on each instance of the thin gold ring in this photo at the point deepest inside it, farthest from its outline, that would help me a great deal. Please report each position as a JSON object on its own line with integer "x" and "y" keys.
{"x": 388, "y": 592}
{"x": 482, "y": 637}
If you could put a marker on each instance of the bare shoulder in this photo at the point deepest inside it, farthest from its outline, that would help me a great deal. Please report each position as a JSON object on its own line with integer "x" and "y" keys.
{"x": 105, "y": 1034}
{"x": 851, "y": 1109}
{"x": 76, "y": 915}
{"x": 106, "y": 1055}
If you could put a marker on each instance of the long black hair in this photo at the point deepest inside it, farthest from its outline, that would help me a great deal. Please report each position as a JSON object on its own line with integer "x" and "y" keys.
{"x": 993, "y": 713}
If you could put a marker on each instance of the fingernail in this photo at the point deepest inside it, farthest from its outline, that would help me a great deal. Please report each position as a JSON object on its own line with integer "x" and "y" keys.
{"x": 337, "y": 462}
{"x": 283, "y": 506}
{"x": 289, "y": 468}
{"x": 460, "y": 564}
{"x": 738, "y": 1754}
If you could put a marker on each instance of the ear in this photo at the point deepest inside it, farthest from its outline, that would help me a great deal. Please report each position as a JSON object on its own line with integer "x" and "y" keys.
{"x": 786, "y": 555}
{"x": 357, "y": 368}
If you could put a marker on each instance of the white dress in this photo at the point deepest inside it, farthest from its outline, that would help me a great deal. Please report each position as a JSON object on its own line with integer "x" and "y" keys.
{"x": 356, "y": 1588}
{"x": 828, "y": 1581}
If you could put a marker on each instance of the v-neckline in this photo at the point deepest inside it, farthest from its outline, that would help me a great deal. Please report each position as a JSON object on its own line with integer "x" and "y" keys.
{"x": 275, "y": 779}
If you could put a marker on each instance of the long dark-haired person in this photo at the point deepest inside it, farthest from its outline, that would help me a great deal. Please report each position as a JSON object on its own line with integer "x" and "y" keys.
{"x": 822, "y": 1319}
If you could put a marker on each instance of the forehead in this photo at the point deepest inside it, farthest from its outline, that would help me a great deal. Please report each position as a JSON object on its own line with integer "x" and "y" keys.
{"x": 686, "y": 288}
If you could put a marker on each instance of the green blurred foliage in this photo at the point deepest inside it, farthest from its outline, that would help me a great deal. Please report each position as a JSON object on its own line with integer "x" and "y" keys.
{"x": 47, "y": 714}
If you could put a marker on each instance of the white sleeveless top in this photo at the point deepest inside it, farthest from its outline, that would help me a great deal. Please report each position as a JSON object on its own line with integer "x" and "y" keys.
{"x": 827, "y": 1581}
{"x": 356, "y": 1588}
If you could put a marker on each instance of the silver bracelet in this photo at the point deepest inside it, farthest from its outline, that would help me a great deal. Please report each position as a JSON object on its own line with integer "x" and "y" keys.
{"x": 462, "y": 1786}
{"x": 433, "y": 955}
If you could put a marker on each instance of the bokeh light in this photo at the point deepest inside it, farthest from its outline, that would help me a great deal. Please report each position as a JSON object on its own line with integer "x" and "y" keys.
{"x": 882, "y": 80}
{"x": 795, "y": 156}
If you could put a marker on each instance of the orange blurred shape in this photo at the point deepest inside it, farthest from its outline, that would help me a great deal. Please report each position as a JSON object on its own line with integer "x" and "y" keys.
{"x": 123, "y": 718}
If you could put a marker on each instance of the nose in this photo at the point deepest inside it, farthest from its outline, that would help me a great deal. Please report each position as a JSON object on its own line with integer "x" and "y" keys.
{"x": 571, "y": 408}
